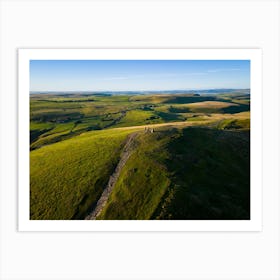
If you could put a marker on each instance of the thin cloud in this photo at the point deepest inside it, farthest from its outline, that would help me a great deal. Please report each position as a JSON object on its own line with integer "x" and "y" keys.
{"x": 183, "y": 74}
{"x": 115, "y": 78}
{"x": 195, "y": 73}
{"x": 222, "y": 70}
{"x": 166, "y": 75}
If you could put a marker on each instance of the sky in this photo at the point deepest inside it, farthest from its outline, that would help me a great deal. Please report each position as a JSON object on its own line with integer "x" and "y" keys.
{"x": 126, "y": 75}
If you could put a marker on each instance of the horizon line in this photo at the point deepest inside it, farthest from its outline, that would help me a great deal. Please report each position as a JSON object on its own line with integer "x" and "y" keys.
{"x": 140, "y": 90}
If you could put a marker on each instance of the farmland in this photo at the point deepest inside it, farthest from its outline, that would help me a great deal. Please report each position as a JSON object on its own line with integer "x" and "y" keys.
{"x": 189, "y": 159}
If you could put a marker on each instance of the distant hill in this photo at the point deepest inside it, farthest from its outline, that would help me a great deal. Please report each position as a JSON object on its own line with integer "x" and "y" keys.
{"x": 102, "y": 93}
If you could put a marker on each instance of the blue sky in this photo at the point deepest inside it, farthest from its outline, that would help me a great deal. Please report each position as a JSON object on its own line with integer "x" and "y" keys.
{"x": 121, "y": 75}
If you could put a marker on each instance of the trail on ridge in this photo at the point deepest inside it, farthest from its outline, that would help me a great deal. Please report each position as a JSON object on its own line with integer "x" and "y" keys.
{"x": 113, "y": 178}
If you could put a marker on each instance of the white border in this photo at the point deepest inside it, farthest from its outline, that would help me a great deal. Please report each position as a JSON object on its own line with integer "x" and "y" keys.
{"x": 254, "y": 55}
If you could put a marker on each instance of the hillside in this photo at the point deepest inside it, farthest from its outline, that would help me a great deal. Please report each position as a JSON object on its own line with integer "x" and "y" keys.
{"x": 191, "y": 173}
{"x": 58, "y": 117}
{"x": 67, "y": 178}
{"x": 166, "y": 168}
{"x": 140, "y": 157}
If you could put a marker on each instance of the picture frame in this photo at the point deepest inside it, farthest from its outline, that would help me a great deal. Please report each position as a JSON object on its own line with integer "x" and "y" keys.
{"x": 27, "y": 55}
{"x": 186, "y": 24}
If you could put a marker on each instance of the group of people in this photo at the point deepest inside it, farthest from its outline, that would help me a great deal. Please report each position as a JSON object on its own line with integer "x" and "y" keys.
{"x": 147, "y": 129}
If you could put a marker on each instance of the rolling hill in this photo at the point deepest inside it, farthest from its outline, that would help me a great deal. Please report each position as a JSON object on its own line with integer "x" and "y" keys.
{"x": 189, "y": 157}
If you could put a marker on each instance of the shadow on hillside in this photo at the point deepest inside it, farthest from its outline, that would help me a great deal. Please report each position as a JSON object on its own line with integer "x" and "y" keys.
{"x": 210, "y": 176}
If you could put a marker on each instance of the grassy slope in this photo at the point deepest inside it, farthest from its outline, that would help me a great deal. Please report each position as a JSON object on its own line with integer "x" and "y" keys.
{"x": 191, "y": 173}
{"x": 55, "y": 118}
{"x": 68, "y": 177}
{"x": 160, "y": 180}
{"x": 210, "y": 176}
{"x": 142, "y": 182}
{"x": 138, "y": 117}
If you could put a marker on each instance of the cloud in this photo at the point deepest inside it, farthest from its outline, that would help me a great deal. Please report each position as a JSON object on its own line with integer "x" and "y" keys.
{"x": 167, "y": 75}
{"x": 195, "y": 73}
{"x": 115, "y": 78}
{"x": 222, "y": 70}
{"x": 182, "y": 74}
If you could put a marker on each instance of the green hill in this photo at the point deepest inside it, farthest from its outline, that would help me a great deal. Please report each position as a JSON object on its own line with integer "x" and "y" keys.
{"x": 189, "y": 157}
{"x": 67, "y": 178}
{"x": 191, "y": 173}
{"x": 58, "y": 117}
{"x": 172, "y": 173}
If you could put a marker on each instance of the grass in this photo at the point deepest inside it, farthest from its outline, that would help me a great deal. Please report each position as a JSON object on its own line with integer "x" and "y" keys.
{"x": 142, "y": 182}
{"x": 177, "y": 172}
{"x": 234, "y": 124}
{"x": 58, "y": 117}
{"x": 67, "y": 178}
{"x": 190, "y": 173}
{"x": 210, "y": 176}
{"x": 37, "y": 129}
{"x": 138, "y": 117}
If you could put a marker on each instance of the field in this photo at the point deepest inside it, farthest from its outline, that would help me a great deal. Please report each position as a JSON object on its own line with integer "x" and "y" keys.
{"x": 140, "y": 156}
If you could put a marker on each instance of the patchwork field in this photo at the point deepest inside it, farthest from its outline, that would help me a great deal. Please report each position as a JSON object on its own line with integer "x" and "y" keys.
{"x": 189, "y": 157}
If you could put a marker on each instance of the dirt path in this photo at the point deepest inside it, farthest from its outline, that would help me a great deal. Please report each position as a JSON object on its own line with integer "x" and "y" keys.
{"x": 113, "y": 178}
